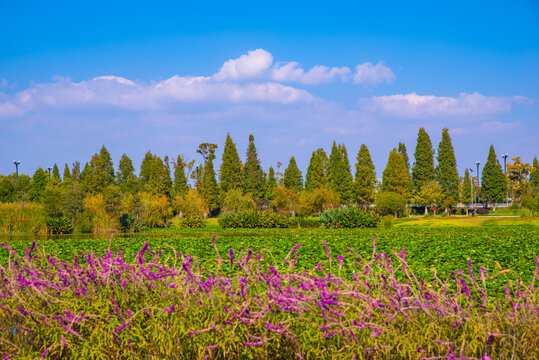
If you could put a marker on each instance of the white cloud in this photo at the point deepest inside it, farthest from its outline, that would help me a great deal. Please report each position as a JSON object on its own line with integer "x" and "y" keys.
{"x": 423, "y": 106}
{"x": 249, "y": 66}
{"x": 367, "y": 73}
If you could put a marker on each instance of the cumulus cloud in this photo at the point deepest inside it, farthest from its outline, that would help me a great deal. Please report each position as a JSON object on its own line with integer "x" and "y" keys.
{"x": 258, "y": 65}
{"x": 422, "y": 106}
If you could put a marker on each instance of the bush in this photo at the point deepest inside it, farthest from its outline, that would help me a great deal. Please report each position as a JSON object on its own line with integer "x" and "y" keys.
{"x": 234, "y": 201}
{"x": 189, "y": 222}
{"x": 348, "y": 218}
{"x": 129, "y": 223}
{"x": 253, "y": 219}
{"x": 387, "y": 221}
{"x": 388, "y": 202}
{"x": 59, "y": 225}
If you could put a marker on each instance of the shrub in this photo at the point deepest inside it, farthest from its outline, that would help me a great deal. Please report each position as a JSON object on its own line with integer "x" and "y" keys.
{"x": 129, "y": 223}
{"x": 348, "y": 218}
{"x": 388, "y": 202}
{"x": 305, "y": 222}
{"x": 253, "y": 219}
{"x": 59, "y": 225}
{"x": 189, "y": 222}
{"x": 234, "y": 200}
{"x": 387, "y": 221}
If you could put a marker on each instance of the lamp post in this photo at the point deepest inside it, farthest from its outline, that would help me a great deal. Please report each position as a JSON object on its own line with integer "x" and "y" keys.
{"x": 17, "y": 167}
{"x": 471, "y": 185}
{"x": 477, "y": 163}
{"x": 505, "y": 173}
{"x": 50, "y": 169}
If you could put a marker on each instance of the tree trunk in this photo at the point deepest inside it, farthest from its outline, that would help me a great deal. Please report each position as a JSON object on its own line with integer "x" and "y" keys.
{"x": 426, "y": 210}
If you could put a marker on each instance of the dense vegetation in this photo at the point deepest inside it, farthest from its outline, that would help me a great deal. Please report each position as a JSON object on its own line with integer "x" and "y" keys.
{"x": 252, "y": 304}
{"x": 99, "y": 198}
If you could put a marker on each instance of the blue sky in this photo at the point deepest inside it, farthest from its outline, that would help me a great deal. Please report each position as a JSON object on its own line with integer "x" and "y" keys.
{"x": 165, "y": 76}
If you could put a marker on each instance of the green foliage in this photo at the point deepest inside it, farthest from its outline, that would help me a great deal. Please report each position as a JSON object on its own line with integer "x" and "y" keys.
{"x": 56, "y": 174}
{"x": 316, "y": 201}
{"x": 180, "y": 178}
{"x": 466, "y": 192}
{"x": 423, "y": 169}
{"x": 130, "y": 224}
{"x": 365, "y": 179}
{"x": 154, "y": 175}
{"x": 73, "y": 201}
{"x": 230, "y": 172}
{"x": 292, "y": 176}
{"x": 348, "y": 217}
{"x": 75, "y": 171}
{"x": 286, "y": 201}
{"x": 270, "y": 186}
{"x": 389, "y": 202}
{"x": 52, "y": 200}
{"x": 493, "y": 183}
{"x": 402, "y": 150}
{"x": 446, "y": 171}
{"x": 21, "y": 188}
{"x": 253, "y": 175}
{"x": 188, "y": 222}
{"x": 191, "y": 204}
{"x": 22, "y": 218}
{"x": 317, "y": 172}
{"x": 534, "y": 176}
{"x": 7, "y": 189}
{"x": 253, "y": 219}
{"x": 38, "y": 185}
{"x": 395, "y": 177}
{"x": 339, "y": 173}
{"x": 67, "y": 173}
{"x": 207, "y": 185}
{"x": 235, "y": 201}
{"x": 304, "y": 222}
{"x": 99, "y": 173}
{"x": 430, "y": 194}
{"x": 125, "y": 177}
{"x": 59, "y": 225}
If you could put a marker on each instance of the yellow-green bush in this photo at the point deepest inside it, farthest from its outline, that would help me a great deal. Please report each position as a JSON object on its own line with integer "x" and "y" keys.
{"x": 22, "y": 217}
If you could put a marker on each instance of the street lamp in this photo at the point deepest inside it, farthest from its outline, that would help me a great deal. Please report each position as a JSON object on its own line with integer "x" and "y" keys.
{"x": 17, "y": 167}
{"x": 505, "y": 173}
{"x": 50, "y": 169}
{"x": 477, "y": 163}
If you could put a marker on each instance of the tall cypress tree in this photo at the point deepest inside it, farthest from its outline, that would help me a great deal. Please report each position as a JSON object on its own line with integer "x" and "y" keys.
{"x": 38, "y": 184}
{"x": 316, "y": 176}
{"x": 208, "y": 184}
{"x": 75, "y": 171}
{"x": 230, "y": 172}
{"x": 493, "y": 183}
{"x": 339, "y": 174}
{"x": 423, "y": 169}
{"x": 154, "y": 175}
{"x": 67, "y": 173}
{"x": 365, "y": 180}
{"x": 446, "y": 171}
{"x": 466, "y": 194}
{"x": 395, "y": 177}
{"x": 253, "y": 175}
{"x": 534, "y": 176}
{"x": 402, "y": 151}
{"x": 126, "y": 178}
{"x": 100, "y": 171}
{"x": 180, "y": 179}
{"x": 56, "y": 174}
{"x": 292, "y": 176}
{"x": 271, "y": 185}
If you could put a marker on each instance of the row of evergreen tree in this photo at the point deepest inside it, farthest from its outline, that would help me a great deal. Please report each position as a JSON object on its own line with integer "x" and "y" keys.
{"x": 422, "y": 183}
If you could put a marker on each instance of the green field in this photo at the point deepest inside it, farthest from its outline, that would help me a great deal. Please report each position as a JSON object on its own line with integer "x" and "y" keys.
{"x": 442, "y": 244}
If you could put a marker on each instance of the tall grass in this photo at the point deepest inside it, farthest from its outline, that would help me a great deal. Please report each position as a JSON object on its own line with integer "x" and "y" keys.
{"x": 22, "y": 217}
{"x": 151, "y": 307}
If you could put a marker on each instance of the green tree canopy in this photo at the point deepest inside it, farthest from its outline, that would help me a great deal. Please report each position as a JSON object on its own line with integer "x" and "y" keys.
{"x": 446, "y": 171}
{"x": 253, "y": 175}
{"x": 493, "y": 183}
{"x": 180, "y": 178}
{"x": 423, "y": 169}
{"x": 67, "y": 173}
{"x": 39, "y": 181}
{"x": 208, "y": 184}
{"x": 534, "y": 176}
{"x": 395, "y": 177}
{"x": 100, "y": 171}
{"x": 466, "y": 193}
{"x": 339, "y": 173}
{"x": 56, "y": 174}
{"x": 317, "y": 176}
{"x": 271, "y": 185}
{"x": 126, "y": 178}
{"x": 230, "y": 171}
{"x": 365, "y": 180}
{"x": 154, "y": 175}
{"x": 430, "y": 194}
{"x": 292, "y": 176}
{"x": 402, "y": 150}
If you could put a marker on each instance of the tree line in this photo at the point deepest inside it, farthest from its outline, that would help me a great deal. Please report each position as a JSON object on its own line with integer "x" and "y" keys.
{"x": 98, "y": 196}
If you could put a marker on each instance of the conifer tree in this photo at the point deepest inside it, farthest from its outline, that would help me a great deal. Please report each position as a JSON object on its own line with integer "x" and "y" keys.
{"x": 253, "y": 175}
{"x": 493, "y": 182}
{"x": 339, "y": 174}
{"x": 402, "y": 151}
{"x": 38, "y": 184}
{"x": 180, "y": 179}
{"x": 271, "y": 185}
{"x": 75, "y": 171}
{"x": 126, "y": 178}
{"x": 446, "y": 171}
{"x": 56, "y": 174}
{"x": 466, "y": 194}
{"x": 292, "y": 176}
{"x": 365, "y": 180}
{"x": 230, "y": 172}
{"x": 154, "y": 175}
{"x": 423, "y": 169}
{"x": 67, "y": 173}
{"x": 395, "y": 177}
{"x": 316, "y": 176}
{"x": 534, "y": 176}
{"x": 100, "y": 171}
{"x": 208, "y": 187}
